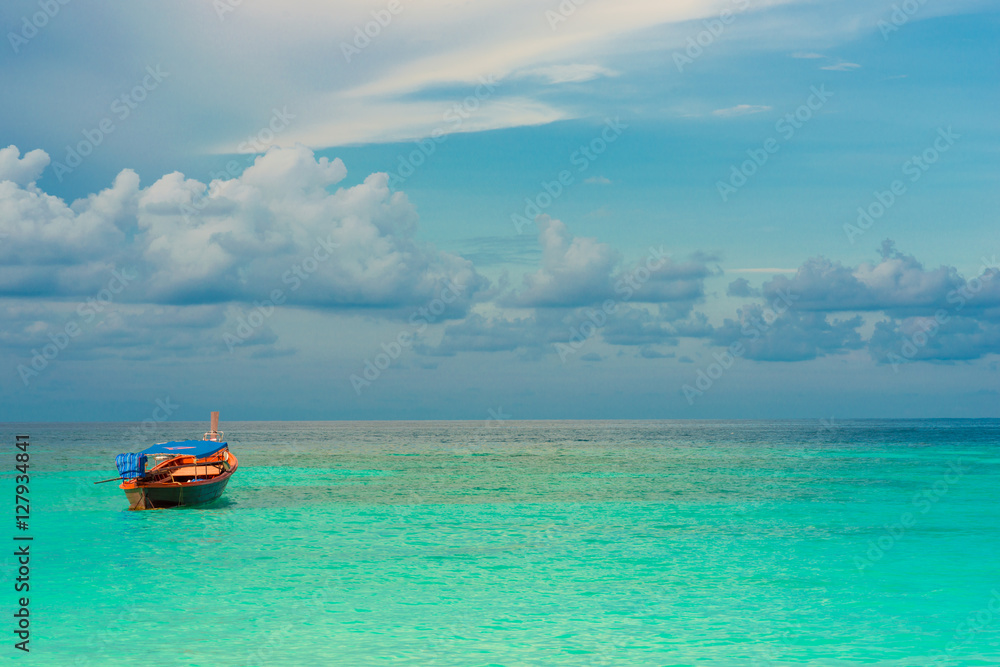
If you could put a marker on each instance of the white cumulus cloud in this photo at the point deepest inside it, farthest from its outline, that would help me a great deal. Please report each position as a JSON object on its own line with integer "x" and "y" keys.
{"x": 277, "y": 226}
{"x": 22, "y": 170}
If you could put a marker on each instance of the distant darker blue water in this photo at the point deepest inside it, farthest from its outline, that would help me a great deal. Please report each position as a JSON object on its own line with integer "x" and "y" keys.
{"x": 524, "y": 543}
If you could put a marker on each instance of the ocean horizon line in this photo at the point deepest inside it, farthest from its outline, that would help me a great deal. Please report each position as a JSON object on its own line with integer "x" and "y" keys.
{"x": 829, "y": 422}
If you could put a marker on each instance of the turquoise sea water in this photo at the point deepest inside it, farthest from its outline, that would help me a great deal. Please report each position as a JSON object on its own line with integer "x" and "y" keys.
{"x": 523, "y": 543}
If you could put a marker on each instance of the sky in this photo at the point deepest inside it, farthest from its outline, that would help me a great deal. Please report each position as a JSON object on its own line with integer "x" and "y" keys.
{"x": 492, "y": 210}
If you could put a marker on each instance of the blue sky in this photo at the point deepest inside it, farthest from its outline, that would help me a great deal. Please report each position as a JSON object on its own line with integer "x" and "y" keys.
{"x": 524, "y": 209}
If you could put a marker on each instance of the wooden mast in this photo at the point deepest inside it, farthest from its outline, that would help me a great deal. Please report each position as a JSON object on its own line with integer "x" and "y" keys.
{"x": 213, "y": 434}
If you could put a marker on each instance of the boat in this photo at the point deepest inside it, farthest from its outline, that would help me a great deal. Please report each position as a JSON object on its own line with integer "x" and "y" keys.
{"x": 184, "y": 473}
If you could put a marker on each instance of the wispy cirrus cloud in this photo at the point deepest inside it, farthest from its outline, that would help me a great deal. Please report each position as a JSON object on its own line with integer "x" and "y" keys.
{"x": 834, "y": 65}
{"x": 395, "y": 85}
{"x": 841, "y": 67}
{"x": 740, "y": 110}
{"x": 576, "y": 73}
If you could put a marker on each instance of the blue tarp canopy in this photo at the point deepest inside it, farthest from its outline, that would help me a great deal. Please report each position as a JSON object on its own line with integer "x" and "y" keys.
{"x": 130, "y": 466}
{"x": 196, "y": 448}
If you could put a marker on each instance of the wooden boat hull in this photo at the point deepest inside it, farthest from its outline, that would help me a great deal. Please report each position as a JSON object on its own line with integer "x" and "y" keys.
{"x": 158, "y": 497}
{"x": 165, "y": 494}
